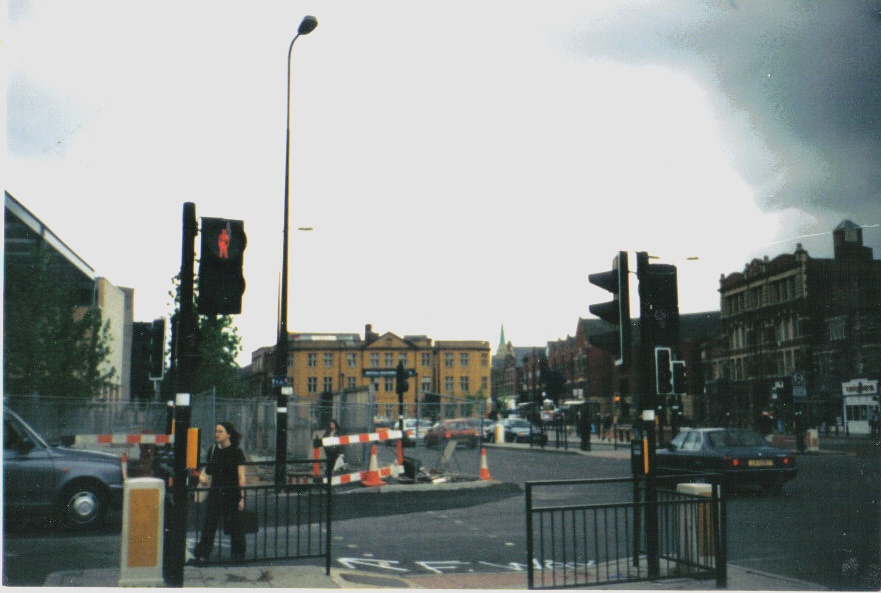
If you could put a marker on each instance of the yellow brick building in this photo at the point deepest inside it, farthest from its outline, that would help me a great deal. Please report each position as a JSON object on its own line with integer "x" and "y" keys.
{"x": 334, "y": 362}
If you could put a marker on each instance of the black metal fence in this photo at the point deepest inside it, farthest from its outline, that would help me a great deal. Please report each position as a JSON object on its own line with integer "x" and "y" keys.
{"x": 293, "y": 520}
{"x": 571, "y": 543}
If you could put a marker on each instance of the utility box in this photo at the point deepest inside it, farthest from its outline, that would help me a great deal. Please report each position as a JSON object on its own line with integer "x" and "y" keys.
{"x": 697, "y": 533}
{"x": 143, "y": 518}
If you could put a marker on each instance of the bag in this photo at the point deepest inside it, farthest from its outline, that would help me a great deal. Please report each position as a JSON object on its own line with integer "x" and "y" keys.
{"x": 247, "y": 519}
{"x": 201, "y": 495}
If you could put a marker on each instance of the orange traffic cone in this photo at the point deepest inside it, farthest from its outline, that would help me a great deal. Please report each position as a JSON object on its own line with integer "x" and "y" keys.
{"x": 484, "y": 471}
{"x": 373, "y": 477}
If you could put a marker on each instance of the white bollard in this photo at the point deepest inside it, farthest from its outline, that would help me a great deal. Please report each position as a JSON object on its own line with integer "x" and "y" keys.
{"x": 696, "y": 529}
{"x": 500, "y": 433}
{"x": 812, "y": 439}
{"x": 143, "y": 517}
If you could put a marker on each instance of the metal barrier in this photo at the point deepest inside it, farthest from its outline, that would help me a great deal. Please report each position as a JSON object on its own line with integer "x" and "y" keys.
{"x": 294, "y": 520}
{"x": 572, "y": 544}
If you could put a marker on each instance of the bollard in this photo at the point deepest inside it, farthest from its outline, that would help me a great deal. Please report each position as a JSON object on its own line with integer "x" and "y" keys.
{"x": 143, "y": 517}
{"x": 696, "y": 529}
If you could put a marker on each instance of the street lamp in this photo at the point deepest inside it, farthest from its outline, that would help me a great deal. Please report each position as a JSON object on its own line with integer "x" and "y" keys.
{"x": 307, "y": 25}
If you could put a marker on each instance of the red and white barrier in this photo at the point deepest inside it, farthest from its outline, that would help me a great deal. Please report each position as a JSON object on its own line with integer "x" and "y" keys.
{"x": 123, "y": 439}
{"x": 393, "y": 471}
{"x": 367, "y": 437}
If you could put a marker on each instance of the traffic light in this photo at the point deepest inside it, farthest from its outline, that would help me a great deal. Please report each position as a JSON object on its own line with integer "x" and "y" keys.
{"x": 680, "y": 380}
{"x": 658, "y": 301}
{"x": 663, "y": 371}
{"x": 402, "y": 385}
{"x": 616, "y": 311}
{"x": 156, "y": 349}
{"x": 221, "y": 281}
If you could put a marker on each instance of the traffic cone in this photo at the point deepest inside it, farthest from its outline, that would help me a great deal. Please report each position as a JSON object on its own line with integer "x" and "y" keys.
{"x": 484, "y": 471}
{"x": 373, "y": 477}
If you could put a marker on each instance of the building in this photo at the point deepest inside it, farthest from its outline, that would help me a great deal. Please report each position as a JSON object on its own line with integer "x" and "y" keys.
{"x": 458, "y": 372}
{"x": 795, "y": 330}
{"x": 29, "y": 242}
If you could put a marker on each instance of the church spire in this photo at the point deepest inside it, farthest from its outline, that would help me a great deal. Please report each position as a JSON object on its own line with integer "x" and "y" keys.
{"x": 502, "y": 344}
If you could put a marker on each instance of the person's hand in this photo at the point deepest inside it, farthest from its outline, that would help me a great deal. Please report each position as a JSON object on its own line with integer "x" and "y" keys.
{"x": 203, "y": 479}
{"x": 241, "y": 504}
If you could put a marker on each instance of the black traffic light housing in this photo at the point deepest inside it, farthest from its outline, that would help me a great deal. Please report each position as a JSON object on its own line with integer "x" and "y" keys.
{"x": 680, "y": 378}
{"x": 663, "y": 371}
{"x": 658, "y": 302}
{"x": 402, "y": 385}
{"x": 221, "y": 280}
{"x": 616, "y": 311}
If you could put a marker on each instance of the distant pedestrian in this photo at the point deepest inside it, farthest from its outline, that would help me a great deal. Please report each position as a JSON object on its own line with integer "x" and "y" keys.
{"x": 875, "y": 424}
{"x": 331, "y": 452}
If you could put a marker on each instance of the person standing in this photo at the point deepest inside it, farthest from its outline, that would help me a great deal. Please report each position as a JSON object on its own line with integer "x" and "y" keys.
{"x": 224, "y": 472}
{"x": 332, "y": 452}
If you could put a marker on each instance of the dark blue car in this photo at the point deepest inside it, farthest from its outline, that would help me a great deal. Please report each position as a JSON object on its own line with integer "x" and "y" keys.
{"x": 742, "y": 456}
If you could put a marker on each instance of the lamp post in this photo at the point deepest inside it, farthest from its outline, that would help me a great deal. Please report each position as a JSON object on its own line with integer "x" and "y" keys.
{"x": 307, "y": 25}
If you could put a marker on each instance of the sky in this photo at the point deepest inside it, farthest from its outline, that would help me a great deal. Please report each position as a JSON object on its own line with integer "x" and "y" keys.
{"x": 463, "y": 165}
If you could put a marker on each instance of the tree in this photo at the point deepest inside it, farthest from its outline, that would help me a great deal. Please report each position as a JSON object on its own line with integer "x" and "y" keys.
{"x": 217, "y": 344}
{"x": 53, "y": 345}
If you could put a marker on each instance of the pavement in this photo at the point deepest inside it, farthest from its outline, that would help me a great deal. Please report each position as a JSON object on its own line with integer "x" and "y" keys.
{"x": 303, "y": 575}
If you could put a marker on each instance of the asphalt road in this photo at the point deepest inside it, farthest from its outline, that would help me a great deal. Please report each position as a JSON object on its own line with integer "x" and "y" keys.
{"x": 825, "y": 527}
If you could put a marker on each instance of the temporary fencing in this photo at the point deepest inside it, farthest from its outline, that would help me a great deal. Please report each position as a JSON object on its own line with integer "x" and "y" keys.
{"x": 374, "y": 475}
{"x": 119, "y": 439}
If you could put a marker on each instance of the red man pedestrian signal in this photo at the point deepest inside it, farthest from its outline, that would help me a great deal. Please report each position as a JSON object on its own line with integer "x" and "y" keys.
{"x": 221, "y": 280}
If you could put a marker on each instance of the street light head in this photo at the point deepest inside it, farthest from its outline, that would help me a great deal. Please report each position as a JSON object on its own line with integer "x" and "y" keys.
{"x": 308, "y": 25}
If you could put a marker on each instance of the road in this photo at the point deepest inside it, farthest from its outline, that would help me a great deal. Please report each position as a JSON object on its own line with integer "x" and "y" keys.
{"x": 825, "y": 527}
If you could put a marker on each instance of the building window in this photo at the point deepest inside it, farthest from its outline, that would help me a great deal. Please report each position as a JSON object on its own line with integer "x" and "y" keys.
{"x": 328, "y": 360}
{"x": 484, "y": 384}
{"x": 312, "y": 360}
{"x": 328, "y": 384}
{"x": 389, "y": 384}
{"x": 312, "y": 385}
{"x": 402, "y": 357}
{"x": 448, "y": 360}
{"x": 836, "y": 329}
{"x": 351, "y": 361}
{"x": 484, "y": 359}
{"x": 350, "y": 383}
{"x": 374, "y": 361}
{"x": 426, "y": 384}
{"x": 463, "y": 359}
{"x": 389, "y": 360}
{"x": 463, "y": 385}
{"x": 426, "y": 359}
{"x": 449, "y": 385}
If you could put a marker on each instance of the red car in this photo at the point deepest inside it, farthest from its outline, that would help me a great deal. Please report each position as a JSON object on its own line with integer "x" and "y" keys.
{"x": 460, "y": 429}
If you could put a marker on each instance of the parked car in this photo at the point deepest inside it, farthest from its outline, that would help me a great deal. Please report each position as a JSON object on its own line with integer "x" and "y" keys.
{"x": 414, "y": 431}
{"x": 520, "y": 430}
{"x": 79, "y": 486}
{"x": 742, "y": 456}
{"x": 457, "y": 428}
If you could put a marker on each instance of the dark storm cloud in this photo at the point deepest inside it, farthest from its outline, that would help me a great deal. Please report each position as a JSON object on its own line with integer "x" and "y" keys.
{"x": 797, "y": 85}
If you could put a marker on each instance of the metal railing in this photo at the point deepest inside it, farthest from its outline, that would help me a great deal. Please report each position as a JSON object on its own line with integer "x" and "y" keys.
{"x": 294, "y": 520}
{"x": 575, "y": 544}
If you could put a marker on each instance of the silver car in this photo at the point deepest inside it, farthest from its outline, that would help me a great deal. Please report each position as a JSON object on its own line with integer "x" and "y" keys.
{"x": 78, "y": 486}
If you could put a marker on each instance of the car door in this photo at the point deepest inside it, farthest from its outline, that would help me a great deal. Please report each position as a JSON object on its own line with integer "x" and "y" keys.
{"x": 28, "y": 470}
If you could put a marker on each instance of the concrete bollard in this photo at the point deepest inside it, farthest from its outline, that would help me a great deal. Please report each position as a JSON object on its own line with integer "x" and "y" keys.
{"x": 143, "y": 517}
{"x": 812, "y": 439}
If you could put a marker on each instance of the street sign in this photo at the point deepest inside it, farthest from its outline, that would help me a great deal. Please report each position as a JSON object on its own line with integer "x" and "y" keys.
{"x": 282, "y": 381}
{"x": 385, "y": 372}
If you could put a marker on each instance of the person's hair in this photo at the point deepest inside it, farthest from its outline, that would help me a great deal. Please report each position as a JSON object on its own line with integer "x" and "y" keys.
{"x": 335, "y": 423}
{"x": 235, "y": 437}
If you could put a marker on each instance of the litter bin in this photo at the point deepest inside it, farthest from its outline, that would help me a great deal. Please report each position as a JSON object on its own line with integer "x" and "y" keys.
{"x": 812, "y": 439}
{"x": 696, "y": 529}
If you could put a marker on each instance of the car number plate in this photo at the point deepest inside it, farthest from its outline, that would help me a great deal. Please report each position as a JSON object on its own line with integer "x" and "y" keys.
{"x": 761, "y": 462}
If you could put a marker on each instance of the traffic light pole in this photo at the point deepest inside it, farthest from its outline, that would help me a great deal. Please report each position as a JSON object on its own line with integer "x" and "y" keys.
{"x": 176, "y": 519}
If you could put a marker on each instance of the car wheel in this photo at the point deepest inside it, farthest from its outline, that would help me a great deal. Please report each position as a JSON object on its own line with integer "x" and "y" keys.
{"x": 82, "y": 506}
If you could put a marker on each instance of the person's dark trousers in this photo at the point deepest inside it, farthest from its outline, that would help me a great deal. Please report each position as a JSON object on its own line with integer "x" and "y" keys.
{"x": 219, "y": 506}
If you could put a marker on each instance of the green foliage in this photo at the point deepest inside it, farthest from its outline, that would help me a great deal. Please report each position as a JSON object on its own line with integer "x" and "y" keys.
{"x": 52, "y": 345}
{"x": 218, "y": 344}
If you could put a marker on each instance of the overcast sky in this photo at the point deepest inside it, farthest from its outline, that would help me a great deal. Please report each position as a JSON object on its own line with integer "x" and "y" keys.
{"x": 463, "y": 164}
